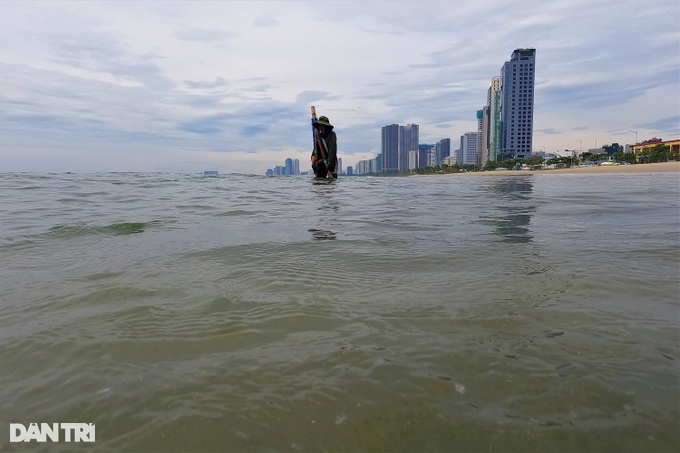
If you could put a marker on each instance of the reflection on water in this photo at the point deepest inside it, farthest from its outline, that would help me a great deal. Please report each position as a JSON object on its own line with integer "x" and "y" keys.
{"x": 322, "y": 235}
{"x": 328, "y": 209}
{"x": 515, "y": 208}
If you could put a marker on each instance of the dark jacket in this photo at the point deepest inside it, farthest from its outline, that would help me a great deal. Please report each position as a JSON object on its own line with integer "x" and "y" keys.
{"x": 331, "y": 163}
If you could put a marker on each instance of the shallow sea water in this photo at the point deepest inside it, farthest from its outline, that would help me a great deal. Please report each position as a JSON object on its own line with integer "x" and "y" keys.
{"x": 241, "y": 313}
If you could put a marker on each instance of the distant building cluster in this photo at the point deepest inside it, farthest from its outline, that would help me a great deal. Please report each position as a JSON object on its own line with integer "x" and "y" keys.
{"x": 291, "y": 167}
{"x": 504, "y": 127}
{"x": 402, "y": 150}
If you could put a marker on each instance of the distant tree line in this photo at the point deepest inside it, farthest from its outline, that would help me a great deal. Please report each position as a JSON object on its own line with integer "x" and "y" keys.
{"x": 658, "y": 153}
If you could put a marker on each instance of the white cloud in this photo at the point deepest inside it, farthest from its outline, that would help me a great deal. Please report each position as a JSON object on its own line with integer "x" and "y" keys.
{"x": 189, "y": 86}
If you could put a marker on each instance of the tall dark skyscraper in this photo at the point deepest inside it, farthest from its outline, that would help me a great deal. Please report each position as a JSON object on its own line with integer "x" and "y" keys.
{"x": 390, "y": 148}
{"x": 517, "y": 104}
{"x": 397, "y": 142}
{"x": 443, "y": 150}
{"x": 409, "y": 137}
{"x": 426, "y": 155}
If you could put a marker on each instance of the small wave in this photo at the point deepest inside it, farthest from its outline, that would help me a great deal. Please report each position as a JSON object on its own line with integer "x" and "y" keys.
{"x": 238, "y": 212}
{"x": 115, "y": 229}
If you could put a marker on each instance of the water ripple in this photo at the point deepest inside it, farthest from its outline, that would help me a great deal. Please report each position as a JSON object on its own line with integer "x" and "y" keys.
{"x": 187, "y": 313}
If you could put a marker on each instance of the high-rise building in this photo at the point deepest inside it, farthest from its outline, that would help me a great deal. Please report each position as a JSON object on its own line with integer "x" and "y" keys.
{"x": 480, "y": 134}
{"x": 442, "y": 150}
{"x": 426, "y": 155}
{"x": 412, "y": 160}
{"x": 339, "y": 169}
{"x": 493, "y": 101}
{"x": 390, "y": 148}
{"x": 364, "y": 167}
{"x": 517, "y": 104}
{"x": 296, "y": 167}
{"x": 468, "y": 154}
{"x": 289, "y": 167}
{"x": 397, "y": 142}
{"x": 484, "y": 135}
{"x": 408, "y": 141}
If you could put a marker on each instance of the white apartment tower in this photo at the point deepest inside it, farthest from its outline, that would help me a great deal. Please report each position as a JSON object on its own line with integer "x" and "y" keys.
{"x": 493, "y": 101}
{"x": 469, "y": 149}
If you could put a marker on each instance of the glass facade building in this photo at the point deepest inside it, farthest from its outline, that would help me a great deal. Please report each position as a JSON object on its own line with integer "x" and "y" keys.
{"x": 517, "y": 105}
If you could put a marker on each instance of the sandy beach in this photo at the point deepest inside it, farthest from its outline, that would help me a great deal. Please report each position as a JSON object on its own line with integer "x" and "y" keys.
{"x": 638, "y": 168}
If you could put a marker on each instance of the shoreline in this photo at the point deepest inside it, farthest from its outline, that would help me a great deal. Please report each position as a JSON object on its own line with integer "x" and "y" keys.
{"x": 661, "y": 167}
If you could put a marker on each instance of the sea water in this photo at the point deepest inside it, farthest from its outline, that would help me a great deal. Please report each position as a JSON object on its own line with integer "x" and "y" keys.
{"x": 181, "y": 312}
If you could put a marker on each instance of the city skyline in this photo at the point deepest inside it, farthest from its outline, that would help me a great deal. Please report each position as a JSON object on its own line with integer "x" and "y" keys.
{"x": 504, "y": 124}
{"x": 180, "y": 86}
{"x": 291, "y": 167}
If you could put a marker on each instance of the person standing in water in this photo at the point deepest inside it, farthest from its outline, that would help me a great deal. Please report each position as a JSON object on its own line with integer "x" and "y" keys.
{"x": 325, "y": 154}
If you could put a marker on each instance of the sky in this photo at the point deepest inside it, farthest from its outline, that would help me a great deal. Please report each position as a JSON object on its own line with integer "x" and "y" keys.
{"x": 173, "y": 86}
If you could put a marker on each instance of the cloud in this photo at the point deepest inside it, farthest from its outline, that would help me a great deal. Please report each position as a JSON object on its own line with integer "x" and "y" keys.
{"x": 265, "y": 22}
{"x": 548, "y": 131}
{"x": 41, "y": 121}
{"x": 219, "y": 82}
{"x": 254, "y": 130}
{"x": 225, "y": 79}
{"x": 103, "y": 56}
{"x": 309, "y": 96}
{"x": 669, "y": 125}
{"x": 601, "y": 93}
{"x": 204, "y": 35}
{"x": 212, "y": 124}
